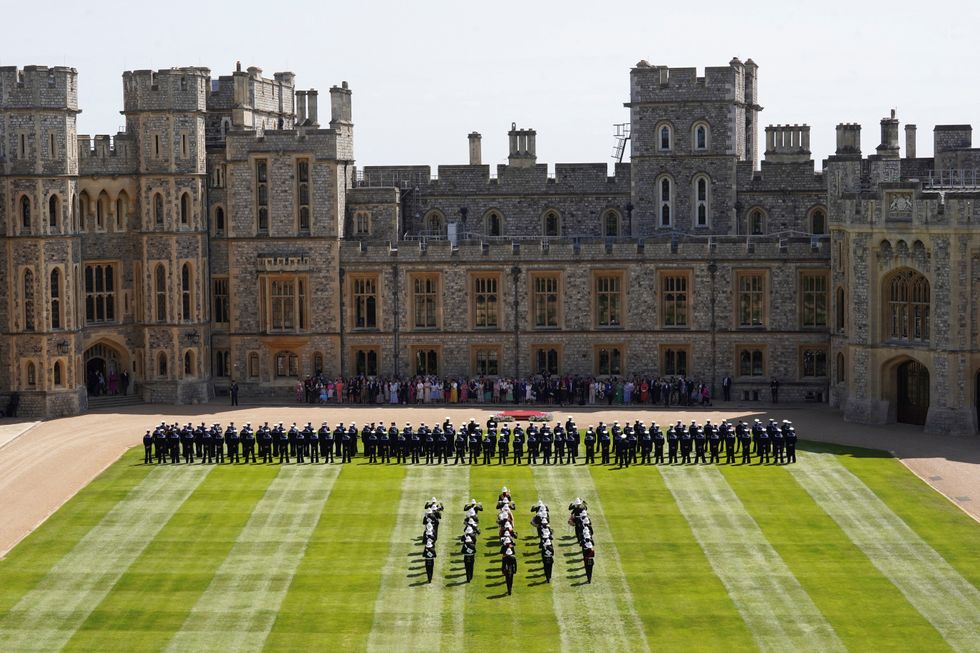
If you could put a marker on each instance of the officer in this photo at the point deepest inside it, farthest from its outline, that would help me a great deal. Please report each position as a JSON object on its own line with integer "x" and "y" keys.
{"x": 148, "y": 448}
{"x": 632, "y": 441}
{"x": 547, "y": 440}
{"x": 370, "y": 438}
{"x": 686, "y": 438}
{"x": 231, "y": 441}
{"x": 590, "y": 446}
{"x": 547, "y": 558}
{"x": 312, "y": 446}
{"x": 699, "y": 442}
{"x": 588, "y": 557}
{"x": 429, "y": 555}
{"x": 614, "y": 435}
{"x": 603, "y": 432}
{"x": 326, "y": 443}
{"x": 298, "y": 444}
{"x": 559, "y": 437}
{"x": 282, "y": 437}
{"x": 756, "y": 435}
{"x": 744, "y": 441}
{"x": 789, "y": 434}
{"x": 174, "y": 438}
{"x": 207, "y": 446}
{"x": 459, "y": 444}
{"x": 398, "y": 443}
{"x": 428, "y": 444}
{"x": 160, "y": 443}
{"x": 622, "y": 452}
{"x": 728, "y": 435}
{"x": 248, "y": 443}
{"x": 532, "y": 445}
{"x": 508, "y": 567}
{"x": 218, "y": 441}
{"x": 573, "y": 439}
{"x": 384, "y": 441}
{"x": 293, "y": 432}
{"x": 764, "y": 443}
{"x": 345, "y": 445}
{"x": 518, "y": 445}
{"x": 442, "y": 443}
{"x": 338, "y": 441}
{"x": 672, "y": 444}
{"x": 352, "y": 443}
{"x": 187, "y": 439}
{"x": 265, "y": 443}
{"x": 714, "y": 442}
{"x": 415, "y": 445}
{"x": 646, "y": 445}
{"x": 469, "y": 554}
{"x": 778, "y": 445}
{"x": 503, "y": 448}
{"x": 658, "y": 444}
{"x": 489, "y": 443}
{"x": 199, "y": 441}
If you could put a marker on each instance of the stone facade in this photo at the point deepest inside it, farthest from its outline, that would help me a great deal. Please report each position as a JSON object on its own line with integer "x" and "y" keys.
{"x": 227, "y": 234}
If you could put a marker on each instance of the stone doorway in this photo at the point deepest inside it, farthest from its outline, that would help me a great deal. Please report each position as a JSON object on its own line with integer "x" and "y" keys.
{"x": 103, "y": 369}
{"x": 912, "y": 401}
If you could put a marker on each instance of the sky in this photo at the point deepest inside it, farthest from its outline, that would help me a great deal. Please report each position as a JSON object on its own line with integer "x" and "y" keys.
{"x": 426, "y": 73}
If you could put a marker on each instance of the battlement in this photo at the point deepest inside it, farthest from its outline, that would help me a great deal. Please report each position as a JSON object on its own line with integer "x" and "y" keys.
{"x": 39, "y": 87}
{"x": 173, "y": 89}
{"x": 787, "y": 143}
{"x": 652, "y": 83}
{"x": 103, "y": 154}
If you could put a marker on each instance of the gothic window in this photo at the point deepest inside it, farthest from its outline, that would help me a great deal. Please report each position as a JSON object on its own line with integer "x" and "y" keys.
{"x": 53, "y": 210}
{"x": 492, "y": 224}
{"x": 545, "y": 361}
{"x": 840, "y": 368}
{"x": 665, "y": 201}
{"x": 160, "y": 291}
{"x": 757, "y": 222}
{"x": 219, "y": 220}
{"x": 162, "y": 365}
{"x": 551, "y": 227}
{"x": 818, "y": 222}
{"x": 487, "y": 362}
{"x": 25, "y": 212}
{"x": 186, "y": 283}
{"x": 814, "y": 363}
{"x": 31, "y": 374}
{"x": 185, "y": 208}
{"x": 609, "y": 300}
{"x": 83, "y": 210}
{"x": 101, "y": 210}
{"x": 122, "y": 211}
{"x": 303, "y": 193}
{"x": 55, "y": 299}
{"x": 700, "y": 200}
{"x": 544, "y": 300}
{"x": 751, "y": 362}
{"x": 365, "y": 299}
{"x": 674, "y": 299}
{"x": 29, "y": 324}
{"x": 366, "y": 362}
{"x": 908, "y": 306}
{"x": 609, "y": 361}
{"x": 699, "y": 137}
{"x": 751, "y": 299}
{"x": 100, "y": 293}
{"x": 262, "y": 194}
{"x": 287, "y": 364}
{"x": 58, "y": 374}
{"x": 674, "y": 361}
{"x": 485, "y": 302}
{"x": 840, "y": 310}
{"x": 221, "y": 300}
{"x": 610, "y": 224}
{"x": 188, "y": 363}
{"x": 814, "y": 296}
{"x": 665, "y": 138}
{"x": 158, "y": 209}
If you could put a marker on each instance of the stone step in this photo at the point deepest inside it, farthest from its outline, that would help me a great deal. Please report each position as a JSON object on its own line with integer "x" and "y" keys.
{"x": 113, "y": 401}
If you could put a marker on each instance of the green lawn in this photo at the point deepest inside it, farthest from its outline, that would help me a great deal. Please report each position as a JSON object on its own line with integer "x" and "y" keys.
{"x": 845, "y": 550}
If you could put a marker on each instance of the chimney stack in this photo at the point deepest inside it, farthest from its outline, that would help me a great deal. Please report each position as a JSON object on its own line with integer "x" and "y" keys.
{"x": 889, "y": 137}
{"x": 300, "y": 107}
{"x": 476, "y": 154}
{"x": 311, "y": 101}
{"x": 909, "y": 141}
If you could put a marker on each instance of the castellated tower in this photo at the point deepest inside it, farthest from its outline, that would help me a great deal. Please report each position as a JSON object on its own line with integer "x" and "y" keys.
{"x": 39, "y": 226}
{"x": 165, "y": 117}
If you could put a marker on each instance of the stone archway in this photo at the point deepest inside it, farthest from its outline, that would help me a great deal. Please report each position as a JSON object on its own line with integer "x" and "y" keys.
{"x": 104, "y": 366}
{"x": 912, "y": 396}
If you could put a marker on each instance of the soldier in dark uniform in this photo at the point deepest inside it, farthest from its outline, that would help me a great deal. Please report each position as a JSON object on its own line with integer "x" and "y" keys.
{"x": 265, "y": 443}
{"x": 473, "y": 443}
{"x": 160, "y": 445}
{"x": 298, "y": 444}
{"x": 646, "y": 445}
{"x": 248, "y": 443}
{"x": 207, "y": 446}
{"x": 658, "y": 444}
{"x": 700, "y": 443}
{"x": 345, "y": 445}
{"x": 632, "y": 440}
{"x": 518, "y": 445}
{"x": 714, "y": 442}
{"x": 325, "y": 435}
{"x": 187, "y": 439}
{"x": 778, "y": 445}
{"x": 672, "y": 443}
{"x": 728, "y": 436}
{"x": 429, "y": 555}
{"x": 508, "y": 567}
{"x": 199, "y": 442}
{"x": 588, "y": 557}
{"x": 559, "y": 438}
{"x": 763, "y": 444}
{"x": 469, "y": 555}
{"x": 603, "y": 432}
{"x": 384, "y": 440}
{"x": 756, "y": 432}
{"x": 459, "y": 443}
{"x": 789, "y": 435}
{"x": 547, "y": 559}
{"x": 312, "y": 447}
{"x": 573, "y": 439}
{"x": 744, "y": 441}
{"x": 415, "y": 445}
{"x": 231, "y": 441}
{"x": 174, "y": 438}
{"x": 503, "y": 449}
{"x": 686, "y": 438}
{"x": 352, "y": 443}
{"x": 614, "y": 436}
{"x": 547, "y": 440}
{"x": 489, "y": 444}
{"x": 590, "y": 446}
{"x": 442, "y": 444}
{"x": 282, "y": 437}
{"x": 533, "y": 445}
{"x": 218, "y": 442}
{"x": 338, "y": 441}
{"x": 370, "y": 444}
{"x": 148, "y": 448}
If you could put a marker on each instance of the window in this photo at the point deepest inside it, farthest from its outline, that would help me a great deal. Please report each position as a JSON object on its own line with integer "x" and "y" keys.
{"x": 156, "y": 145}
{"x": 665, "y": 201}
{"x": 700, "y": 200}
{"x": 609, "y": 300}
{"x": 100, "y": 293}
{"x": 487, "y": 361}
{"x": 674, "y": 299}
{"x": 757, "y": 222}
{"x": 186, "y": 283}
{"x": 287, "y": 364}
{"x": 908, "y": 306}
{"x": 317, "y": 363}
{"x": 122, "y": 211}
{"x": 426, "y": 362}
{"x": 366, "y": 362}
{"x": 162, "y": 365}
{"x": 74, "y": 210}
{"x": 222, "y": 358}
{"x": 551, "y": 227}
{"x": 53, "y": 210}
{"x": 55, "y": 299}
{"x": 31, "y": 374}
{"x": 751, "y": 298}
{"x": 101, "y": 210}
{"x": 545, "y": 361}
{"x": 664, "y": 138}
{"x": 23, "y": 146}
{"x": 434, "y": 224}
{"x": 52, "y": 151}
{"x": 813, "y": 287}
{"x": 28, "y": 300}
{"x": 751, "y": 362}
{"x": 608, "y": 360}
{"x": 220, "y": 295}
{"x": 303, "y": 193}
{"x": 492, "y": 224}
{"x": 185, "y": 208}
{"x": 262, "y": 194}
{"x": 188, "y": 363}
{"x": 610, "y": 224}
{"x": 425, "y": 298}
{"x": 840, "y": 368}
{"x": 253, "y": 365}
{"x": 183, "y": 146}
{"x": 818, "y": 222}
{"x": 699, "y": 137}
{"x": 673, "y": 360}
{"x": 25, "y": 212}
{"x": 840, "y": 310}
{"x": 365, "y": 298}
{"x": 158, "y": 208}
{"x": 362, "y": 223}
{"x": 283, "y": 304}
{"x": 218, "y": 173}
{"x": 219, "y": 220}
{"x": 814, "y": 362}
{"x": 160, "y": 291}
{"x": 544, "y": 300}
{"x": 58, "y": 373}
{"x": 485, "y": 302}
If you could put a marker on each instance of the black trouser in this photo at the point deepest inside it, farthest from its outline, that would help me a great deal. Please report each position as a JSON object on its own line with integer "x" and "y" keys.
{"x": 509, "y": 577}
{"x": 266, "y": 451}
{"x": 791, "y": 453}
{"x": 188, "y": 452}
{"x": 589, "y": 454}
{"x": 532, "y": 456}
{"x": 699, "y": 454}
{"x": 560, "y": 455}
{"x": 314, "y": 451}
{"x": 147, "y": 454}
{"x": 589, "y": 564}
{"x": 430, "y": 565}
{"x": 208, "y": 456}
{"x": 672, "y": 454}
{"x": 746, "y": 454}
{"x": 415, "y": 453}
{"x": 249, "y": 450}
{"x": 300, "y": 451}
{"x": 730, "y": 453}
{"x": 175, "y": 453}
{"x": 468, "y": 564}
{"x": 605, "y": 454}
{"x": 546, "y": 455}
{"x": 430, "y": 454}
{"x": 487, "y": 455}
{"x": 763, "y": 452}
{"x": 686, "y": 455}
{"x": 346, "y": 454}
{"x": 283, "y": 452}
{"x": 658, "y": 453}
{"x": 548, "y": 562}
{"x": 518, "y": 455}
{"x": 778, "y": 455}
{"x": 714, "y": 454}
{"x": 460, "y": 456}
{"x": 645, "y": 455}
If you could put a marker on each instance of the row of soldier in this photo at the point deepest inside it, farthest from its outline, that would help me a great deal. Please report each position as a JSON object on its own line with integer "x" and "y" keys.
{"x": 508, "y": 537}
{"x": 629, "y": 444}
{"x": 430, "y": 533}
{"x": 580, "y": 520}
{"x": 542, "y": 522}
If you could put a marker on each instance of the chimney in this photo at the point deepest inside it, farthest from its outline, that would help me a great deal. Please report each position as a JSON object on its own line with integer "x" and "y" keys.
{"x": 300, "y": 107}
{"x": 311, "y": 101}
{"x": 909, "y": 141}
{"x": 889, "y": 137}
{"x": 848, "y": 139}
{"x": 522, "y": 147}
{"x": 476, "y": 154}
{"x": 340, "y": 106}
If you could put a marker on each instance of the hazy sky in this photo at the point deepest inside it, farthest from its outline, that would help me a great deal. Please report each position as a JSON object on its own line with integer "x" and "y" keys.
{"x": 424, "y": 74}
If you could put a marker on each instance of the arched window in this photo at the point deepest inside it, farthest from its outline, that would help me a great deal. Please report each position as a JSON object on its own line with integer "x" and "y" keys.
{"x": 122, "y": 211}
{"x": 188, "y": 363}
{"x": 58, "y": 373}
{"x": 84, "y": 207}
{"x": 841, "y": 372}
{"x": 552, "y": 225}
{"x": 74, "y": 212}
{"x": 101, "y": 210}
{"x": 699, "y": 136}
{"x": 162, "y": 365}
{"x": 907, "y": 317}
{"x": 185, "y": 208}
{"x": 25, "y": 212}
{"x": 700, "y": 200}
{"x": 28, "y": 300}
{"x": 757, "y": 222}
{"x": 31, "y": 374}
{"x": 158, "y": 209}
{"x": 492, "y": 224}
{"x": 434, "y": 224}
{"x": 160, "y": 291}
{"x": 818, "y": 222}
{"x": 840, "y": 310}
{"x": 665, "y": 138}
{"x": 665, "y": 195}
{"x": 53, "y": 210}
{"x": 610, "y": 224}
{"x": 219, "y": 220}
{"x": 186, "y": 282}
{"x": 55, "y": 299}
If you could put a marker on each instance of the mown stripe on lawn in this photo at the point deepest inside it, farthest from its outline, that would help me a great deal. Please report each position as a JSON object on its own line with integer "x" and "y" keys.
{"x": 938, "y": 592}
{"x": 407, "y": 612}
{"x": 776, "y": 608}
{"x": 47, "y": 616}
{"x": 237, "y": 610}
{"x": 599, "y": 616}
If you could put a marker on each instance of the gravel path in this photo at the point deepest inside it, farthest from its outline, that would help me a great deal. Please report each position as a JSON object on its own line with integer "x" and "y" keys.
{"x": 79, "y": 448}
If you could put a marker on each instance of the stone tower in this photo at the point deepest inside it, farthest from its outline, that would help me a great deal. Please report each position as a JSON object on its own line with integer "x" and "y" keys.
{"x": 39, "y": 231}
{"x": 165, "y": 114}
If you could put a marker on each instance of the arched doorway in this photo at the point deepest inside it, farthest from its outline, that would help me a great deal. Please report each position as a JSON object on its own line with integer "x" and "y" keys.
{"x": 102, "y": 370}
{"x": 912, "y": 403}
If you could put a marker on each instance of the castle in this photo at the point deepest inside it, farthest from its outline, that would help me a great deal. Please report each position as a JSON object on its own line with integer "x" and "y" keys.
{"x": 227, "y": 234}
